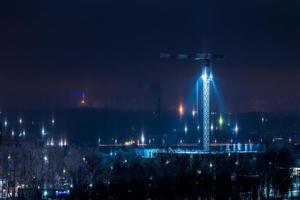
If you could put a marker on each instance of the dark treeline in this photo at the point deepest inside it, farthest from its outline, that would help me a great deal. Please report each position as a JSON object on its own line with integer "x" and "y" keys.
{"x": 90, "y": 174}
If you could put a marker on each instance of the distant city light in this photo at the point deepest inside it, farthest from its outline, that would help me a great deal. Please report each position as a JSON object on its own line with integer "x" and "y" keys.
{"x": 5, "y": 123}
{"x": 52, "y": 142}
{"x": 43, "y": 131}
{"x": 236, "y": 129}
{"x": 83, "y": 102}
{"x": 221, "y": 121}
{"x": 185, "y": 129}
{"x": 181, "y": 110}
{"x": 65, "y": 142}
{"x": 52, "y": 121}
{"x": 194, "y": 112}
{"x": 45, "y": 158}
{"x": 142, "y": 138}
{"x": 12, "y": 133}
{"x": 211, "y": 127}
{"x": 128, "y": 143}
{"x": 20, "y": 120}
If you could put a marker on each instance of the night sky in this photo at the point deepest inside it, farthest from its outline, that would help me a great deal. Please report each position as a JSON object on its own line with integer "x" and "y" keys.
{"x": 50, "y": 51}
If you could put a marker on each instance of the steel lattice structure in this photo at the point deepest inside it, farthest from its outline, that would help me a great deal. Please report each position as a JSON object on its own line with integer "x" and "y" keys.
{"x": 206, "y": 78}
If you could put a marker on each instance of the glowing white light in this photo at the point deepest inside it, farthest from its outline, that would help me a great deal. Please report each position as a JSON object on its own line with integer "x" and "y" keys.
{"x": 116, "y": 141}
{"x": 20, "y": 120}
{"x": 142, "y": 139}
{"x": 221, "y": 121}
{"x": 12, "y": 133}
{"x": 24, "y": 133}
{"x": 5, "y": 123}
{"x": 43, "y": 131}
{"x": 210, "y": 165}
{"x": 99, "y": 141}
{"x": 193, "y": 113}
{"x": 53, "y": 121}
{"x": 65, "y": 142}
{"x": 198, "y": 127}
{"x": 290, "y": 140}
{"x": 61, "y": 143}
{"x": 236, "y": 129}
{"x": 211, "y": 127}
{"x": 45, "y": 158}
{"x": 185, "y": 129}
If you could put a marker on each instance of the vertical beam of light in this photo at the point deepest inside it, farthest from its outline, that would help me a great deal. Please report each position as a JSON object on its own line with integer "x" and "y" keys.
{"x": 197, "y": 100}
{"x": 206, "y": 113}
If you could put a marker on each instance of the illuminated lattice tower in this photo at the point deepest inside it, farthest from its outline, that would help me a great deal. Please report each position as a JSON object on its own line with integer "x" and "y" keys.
{"x": 206, "y": 79}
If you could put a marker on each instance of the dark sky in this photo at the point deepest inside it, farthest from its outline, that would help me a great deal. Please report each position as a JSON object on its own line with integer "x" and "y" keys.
{"x": 50, "y": 50}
